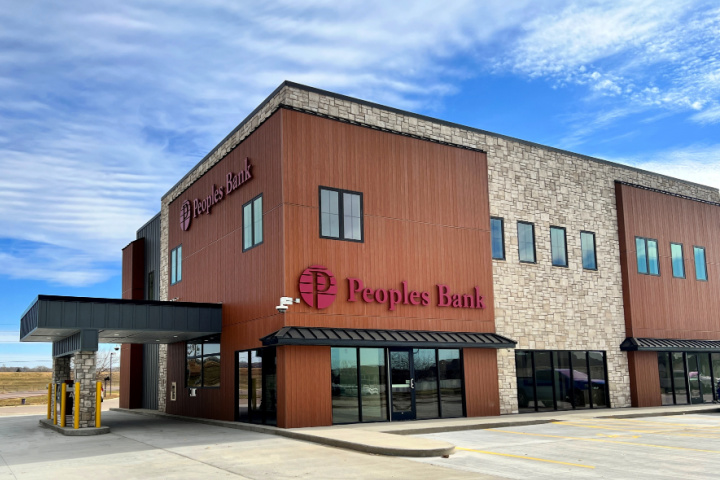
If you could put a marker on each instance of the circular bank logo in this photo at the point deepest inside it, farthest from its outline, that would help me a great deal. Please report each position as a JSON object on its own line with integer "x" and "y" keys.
{"x": 318, "y": 287}
{"x": 185, "y": 215}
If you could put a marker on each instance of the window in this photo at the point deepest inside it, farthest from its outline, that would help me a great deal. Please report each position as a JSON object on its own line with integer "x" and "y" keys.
{"x": 700, "y": 265}
{"x": 202, "y": 368}
{"x": 176, "y": 265}
{"x": 587, "y": 244}
{"x": 526, "y": 242}
{"x": 647, "y": 256}
{"x": 561, "y": 380}
{"x": 252, "y": 223}
{"x": 497, "y": 238}
{"x": 678, "y": 265}
{"x": 341, "y": 214}
{"x": 257, "y": 386}
{"x": 558, "y": 247}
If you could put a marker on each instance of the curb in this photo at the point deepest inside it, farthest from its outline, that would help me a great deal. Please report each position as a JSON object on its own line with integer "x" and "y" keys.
{"x": 435, "y": 448}
{"x": 71, "y": 432}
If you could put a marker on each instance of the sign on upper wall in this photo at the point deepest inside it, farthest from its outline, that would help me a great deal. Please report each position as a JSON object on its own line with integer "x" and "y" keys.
{"x": 199, "y": 206}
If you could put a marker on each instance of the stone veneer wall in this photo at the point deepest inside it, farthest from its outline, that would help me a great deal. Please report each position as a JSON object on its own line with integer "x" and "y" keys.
{"x": 61, "y": 372}
{"x": 162, "y": 378}
{"x": 540, "y": 306}
{"x": 85, "y": 374}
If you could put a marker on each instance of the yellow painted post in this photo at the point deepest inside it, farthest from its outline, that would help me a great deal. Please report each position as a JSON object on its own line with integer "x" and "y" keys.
{"x": 63, "y": 406}
{"x": 98, "y": 400}
{"x": 49, "y": 414}
{"x": 76, "y": 407}
{"x": 55, "y": 404}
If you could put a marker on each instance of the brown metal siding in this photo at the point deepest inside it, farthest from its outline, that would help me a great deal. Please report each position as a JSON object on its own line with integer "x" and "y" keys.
{"x": 131, "y": 375}
{"x": 133, "y": 267}
{"x": 426, "y": 221}
{"x": 482, "y": 391}
{"x": 667, "y": 307}
{"x": 644, "y": 379}
{"x": 304, "y": 384}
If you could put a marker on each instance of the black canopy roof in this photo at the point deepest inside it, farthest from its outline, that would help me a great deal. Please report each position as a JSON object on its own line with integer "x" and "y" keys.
{"x": 338, "y": 337}
{"x": 632, "y": 344}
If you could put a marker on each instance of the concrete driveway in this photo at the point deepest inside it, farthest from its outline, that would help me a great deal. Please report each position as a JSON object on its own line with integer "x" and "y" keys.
{"x": 660, "y": 447}
{"x": 149, "y": 447}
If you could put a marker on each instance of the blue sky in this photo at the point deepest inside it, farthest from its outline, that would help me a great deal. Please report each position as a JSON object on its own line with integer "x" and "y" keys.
{"x": 103, "y": 107}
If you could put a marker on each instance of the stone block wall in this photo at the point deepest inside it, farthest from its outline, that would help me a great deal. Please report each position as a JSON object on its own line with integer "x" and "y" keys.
{"x": 61, "y": 372}
{"x": 162, "y": 378}
{"x": 85, "y": 374}
{"x": 540, "y": 306}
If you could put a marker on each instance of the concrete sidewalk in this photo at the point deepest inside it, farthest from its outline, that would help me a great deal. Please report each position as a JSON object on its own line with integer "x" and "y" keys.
{"x": 395, "y": 438}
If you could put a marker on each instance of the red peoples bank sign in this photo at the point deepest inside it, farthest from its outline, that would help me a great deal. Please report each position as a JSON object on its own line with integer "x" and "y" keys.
{"x": 198, "y": 206}
{"x": 318, "y": 288}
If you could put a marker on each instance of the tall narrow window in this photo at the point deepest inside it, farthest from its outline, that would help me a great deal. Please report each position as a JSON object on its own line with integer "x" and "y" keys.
{"x": 558, "y": 247}
{"x": 526, "y": 242}
{"x": 252, "y": 223}
{"x": 151, "y": 286}
{"x": 497, "y": 238}
{"x": 176, "y": 265}
{"x": 587, "y": 244}
{"x": 341, "y": 214}
{"x": 678, "y": 264}
{"x": 647, "y": 256}
{"x": 700, "y": 265}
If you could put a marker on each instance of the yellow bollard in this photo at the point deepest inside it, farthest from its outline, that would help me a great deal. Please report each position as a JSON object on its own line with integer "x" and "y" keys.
{"x": 76, "y": 407}
{"x": 63, "y": 405}
{"x": 98, "y": 404}
{"x": 49, "y": 414}
{"x": 55, "y": 404}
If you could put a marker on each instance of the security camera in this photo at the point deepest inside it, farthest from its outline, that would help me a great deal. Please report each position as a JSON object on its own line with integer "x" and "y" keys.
{"x": 285, "y": 302}
{"x": 281, "y": 308}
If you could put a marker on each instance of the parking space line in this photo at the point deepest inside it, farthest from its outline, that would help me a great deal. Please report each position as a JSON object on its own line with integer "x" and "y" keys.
{"x": 573, "y": 424}
{"x": 672, "y": 430}
{"x": 636, "y": 444}
{"x": 524, "y": 457}
{"x": 633, "y": 420}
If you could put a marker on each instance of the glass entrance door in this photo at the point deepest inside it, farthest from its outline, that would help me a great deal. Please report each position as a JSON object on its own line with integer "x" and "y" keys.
{"x": 402, "y": 381}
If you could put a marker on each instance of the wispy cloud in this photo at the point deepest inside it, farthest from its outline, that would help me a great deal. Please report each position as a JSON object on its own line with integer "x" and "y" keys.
{"x": 104, "y": 106}
{"x": 695, "y": 163}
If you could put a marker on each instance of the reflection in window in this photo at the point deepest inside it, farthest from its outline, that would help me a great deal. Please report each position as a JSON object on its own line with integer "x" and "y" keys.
{"x": 252, "y": 223}
{"x": 341, "y": 214}
{"x": 176, "y": 265}
{"x": 450, "y": 374}
{"x": 373, "y": 375}
{"x": 678, "y": 264}
{"x": 257, "y": 386}
{"x": 587, "y": 244}
{"x": 647, "y": 256}
{"x": 526, "y": 242}
{"x": 426, "y": 384}
{"x": 700, "y": 265}
{"x": 561, "y": 380}
{"x": 679, "y": 378}
{"x": 666, "y": 383}
{"x": 497, "y": 238}
{"x": 202, "y": 366}
{"x": 344, "y": 378}
{"x": 558, "y": 247}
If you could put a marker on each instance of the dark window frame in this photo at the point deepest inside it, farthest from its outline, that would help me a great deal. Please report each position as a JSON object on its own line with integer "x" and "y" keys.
{"x": 202, "y": 357}
{"x": 647, "y": 256}
{"x": 707, "y": 277}
{"x": 151, "y": 285}
{"x": 173, "y": 265}
{"x": 252, "y": 224}
{"x": 567, "y": 260}
{"x": 266, "y": 416}
{"x": 502, "y": 238}
{"x": 582, "y": 259}
{"x": 532, "y": 226}
{"x": 672, "y": 263}
{"x": 341, "y": 214}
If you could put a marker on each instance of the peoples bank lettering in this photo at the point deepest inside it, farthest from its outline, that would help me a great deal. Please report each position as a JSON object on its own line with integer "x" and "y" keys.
{"x": 198, "y": 206}
{"x": 318, "y": 288}
{"x": 405, "y": 296}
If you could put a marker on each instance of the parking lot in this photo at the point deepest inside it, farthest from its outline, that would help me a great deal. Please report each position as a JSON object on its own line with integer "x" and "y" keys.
{"x": 681, "y": 446}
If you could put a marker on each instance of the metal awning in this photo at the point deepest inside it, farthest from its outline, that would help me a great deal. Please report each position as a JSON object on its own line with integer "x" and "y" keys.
{"x": 347, "y": 337}
{"x": 80, "y": 323}
{"x": 632, "y": 344}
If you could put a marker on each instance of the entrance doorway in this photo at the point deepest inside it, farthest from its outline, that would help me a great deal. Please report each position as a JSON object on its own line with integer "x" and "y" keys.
{"x": 402, "y": 384}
